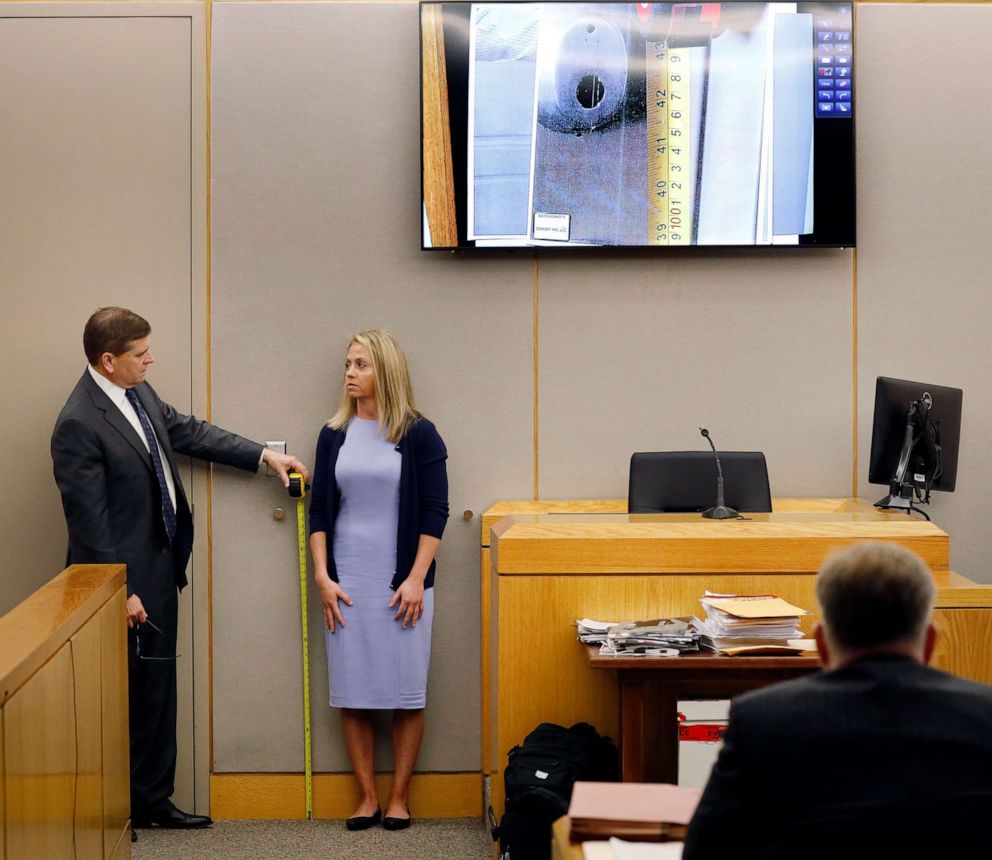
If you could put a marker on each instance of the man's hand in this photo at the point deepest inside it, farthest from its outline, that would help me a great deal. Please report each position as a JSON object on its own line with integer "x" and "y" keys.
{"x": 283, "y": 464}
{"x": 135, "y": 611}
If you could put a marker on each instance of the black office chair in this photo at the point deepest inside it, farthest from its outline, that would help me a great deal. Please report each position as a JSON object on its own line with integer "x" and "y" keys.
{"x": 683, "y": 481}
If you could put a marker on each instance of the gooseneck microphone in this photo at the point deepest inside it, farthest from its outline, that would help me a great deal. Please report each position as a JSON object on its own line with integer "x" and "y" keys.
{"x": 719, "y": 511}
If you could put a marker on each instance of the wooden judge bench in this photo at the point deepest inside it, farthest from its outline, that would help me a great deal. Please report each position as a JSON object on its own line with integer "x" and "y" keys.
{"x": 547, "y": 563}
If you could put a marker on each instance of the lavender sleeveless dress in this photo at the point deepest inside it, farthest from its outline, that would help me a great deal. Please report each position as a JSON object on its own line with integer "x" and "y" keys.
{"x": 373, "y": 662}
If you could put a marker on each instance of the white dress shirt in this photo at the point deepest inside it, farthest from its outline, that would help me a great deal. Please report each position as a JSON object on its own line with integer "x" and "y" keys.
{"x": 118, "y": 396}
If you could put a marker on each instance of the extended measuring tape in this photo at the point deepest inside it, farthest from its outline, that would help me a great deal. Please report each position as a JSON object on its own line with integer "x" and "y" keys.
{"x": 669, "y": 146}
{"x": 298, "y": 491}
{"x": 669, "y": 37}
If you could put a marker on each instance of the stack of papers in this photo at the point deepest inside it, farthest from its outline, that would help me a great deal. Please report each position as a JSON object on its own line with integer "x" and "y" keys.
{"x": 738, "y": 623}
{"x": 664, "y": 637}
{"x": 592, "y": 632}
{"x": 650, "y": 812}
{"x": 618, "y": 849}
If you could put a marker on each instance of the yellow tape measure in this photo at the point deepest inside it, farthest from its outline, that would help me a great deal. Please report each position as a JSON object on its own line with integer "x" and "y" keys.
{"x": 669, "y": 146}
{"x": 298, "y": 491}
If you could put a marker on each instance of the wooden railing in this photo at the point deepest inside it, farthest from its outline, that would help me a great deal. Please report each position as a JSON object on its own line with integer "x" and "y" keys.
{"x": 64, "y": 719}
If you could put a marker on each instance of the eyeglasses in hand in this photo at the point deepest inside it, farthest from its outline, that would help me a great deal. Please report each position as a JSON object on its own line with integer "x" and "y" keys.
{"x": 137, "y": 641}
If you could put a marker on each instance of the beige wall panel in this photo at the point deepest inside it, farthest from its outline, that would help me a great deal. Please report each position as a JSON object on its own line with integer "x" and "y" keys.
{"x": 925, "y": 215}
{"x": 316, "y": 195}
{"x": 103, "y": 195}
{"x": 95, "y": 180}
{"x": 638, "y": 351}
{"x": 88, "y": 705}
{"x": 40, "y": 774}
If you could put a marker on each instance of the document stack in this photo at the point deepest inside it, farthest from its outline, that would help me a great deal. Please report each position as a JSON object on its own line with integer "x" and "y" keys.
{"x": 648, "y": 812}
{"x": 737, "y": 624}
{"x": 660, "y": 637}
{"x": 592, "y": 632}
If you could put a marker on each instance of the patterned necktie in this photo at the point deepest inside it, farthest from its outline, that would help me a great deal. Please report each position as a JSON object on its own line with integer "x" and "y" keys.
{"x": 168, "y": 511}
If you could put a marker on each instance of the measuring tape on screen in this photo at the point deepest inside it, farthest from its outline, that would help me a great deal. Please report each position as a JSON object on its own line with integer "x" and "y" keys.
{"x": 298, "y": 491}
{"x": 669, "y": 37}
{"x": 669, "y": 145}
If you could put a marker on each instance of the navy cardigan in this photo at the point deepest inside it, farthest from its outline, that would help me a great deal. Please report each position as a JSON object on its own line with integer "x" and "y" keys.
{"x": 423, "y": 506}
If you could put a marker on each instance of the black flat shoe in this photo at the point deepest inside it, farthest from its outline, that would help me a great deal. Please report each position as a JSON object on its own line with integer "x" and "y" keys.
{"x": 363, "y": 822}
{"x": 390, "y": 823}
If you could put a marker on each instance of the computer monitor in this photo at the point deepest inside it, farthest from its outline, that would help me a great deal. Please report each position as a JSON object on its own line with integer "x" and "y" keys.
{"x": 914, "y": 440}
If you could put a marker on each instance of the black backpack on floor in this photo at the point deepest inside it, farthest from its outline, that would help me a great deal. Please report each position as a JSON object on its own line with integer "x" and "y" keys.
{"x": 538, "y": 781}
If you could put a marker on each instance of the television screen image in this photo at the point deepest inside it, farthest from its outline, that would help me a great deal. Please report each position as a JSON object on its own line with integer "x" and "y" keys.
{"x": 622, "y": 124}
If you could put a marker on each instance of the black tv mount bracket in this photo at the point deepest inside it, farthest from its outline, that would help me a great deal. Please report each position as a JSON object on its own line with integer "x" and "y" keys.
{"x": 902, "y": 493}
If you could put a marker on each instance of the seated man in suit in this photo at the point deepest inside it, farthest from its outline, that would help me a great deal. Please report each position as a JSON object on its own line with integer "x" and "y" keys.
{"x": 878, "y": 753}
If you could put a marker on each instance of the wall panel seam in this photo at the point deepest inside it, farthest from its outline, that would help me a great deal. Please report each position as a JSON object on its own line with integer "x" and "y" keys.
{"x": 536, "y": 291}
{"x": 854, "y": 374}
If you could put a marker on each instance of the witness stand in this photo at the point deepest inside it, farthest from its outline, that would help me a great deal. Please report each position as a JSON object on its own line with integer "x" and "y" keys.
{"x": 547, "y": 563}
{"x": 64, "y": 778}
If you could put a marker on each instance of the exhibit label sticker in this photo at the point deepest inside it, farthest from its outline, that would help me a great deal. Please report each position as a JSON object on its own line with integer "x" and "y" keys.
{"x": 551, "y": 226}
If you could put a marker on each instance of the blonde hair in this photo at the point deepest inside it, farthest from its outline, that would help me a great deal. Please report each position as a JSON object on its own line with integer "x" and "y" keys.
{"x": 393, "y": 390}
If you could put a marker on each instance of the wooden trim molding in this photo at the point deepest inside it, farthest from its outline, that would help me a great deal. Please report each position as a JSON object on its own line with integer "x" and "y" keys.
{"x": 235, "y": 796}
{"x": 438, "y": 178}
{"x": 536, "y": 400}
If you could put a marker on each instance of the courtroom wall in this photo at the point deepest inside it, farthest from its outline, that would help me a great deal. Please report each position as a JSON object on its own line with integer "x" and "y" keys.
{"x": 95, "y": 191}
{"x": 925, "y": 215}
{"x": 102, "y": 181}
{"x": 315, "y": 236}
{"x": 543, "y": 373}
{"x": 315, "y": 183}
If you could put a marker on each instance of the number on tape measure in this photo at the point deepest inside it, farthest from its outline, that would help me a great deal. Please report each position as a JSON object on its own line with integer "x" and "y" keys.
{"x": 669, "y": 145}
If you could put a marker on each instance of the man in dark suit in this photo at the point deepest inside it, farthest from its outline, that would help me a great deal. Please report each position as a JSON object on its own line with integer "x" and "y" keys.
{"x": 878, "y": 755}
{"x": 113, "y": 450}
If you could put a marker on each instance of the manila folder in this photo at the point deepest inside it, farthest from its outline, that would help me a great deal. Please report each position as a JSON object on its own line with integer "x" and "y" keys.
{"x": 632, "y": 809}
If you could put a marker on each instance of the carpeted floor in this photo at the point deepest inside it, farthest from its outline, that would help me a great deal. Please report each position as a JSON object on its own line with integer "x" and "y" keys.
{"x": 437, "y": 839}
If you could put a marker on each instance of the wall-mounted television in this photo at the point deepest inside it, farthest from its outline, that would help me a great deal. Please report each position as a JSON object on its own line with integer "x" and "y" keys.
{"x": 637, "y": 124}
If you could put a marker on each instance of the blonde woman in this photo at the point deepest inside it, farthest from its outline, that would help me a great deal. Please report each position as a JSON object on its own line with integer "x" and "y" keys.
{"x": 378, "y": 509}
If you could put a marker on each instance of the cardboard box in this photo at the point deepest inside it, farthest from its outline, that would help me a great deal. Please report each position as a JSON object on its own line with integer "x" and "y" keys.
{"x": 701, "y": 727}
